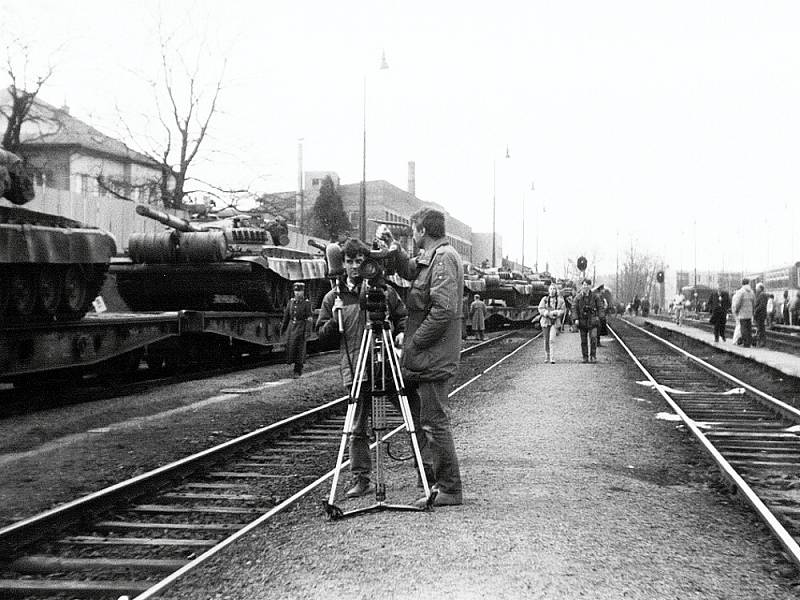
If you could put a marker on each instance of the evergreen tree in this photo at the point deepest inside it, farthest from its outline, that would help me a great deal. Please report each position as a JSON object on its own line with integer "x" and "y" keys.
{"x": 328, "y": 213}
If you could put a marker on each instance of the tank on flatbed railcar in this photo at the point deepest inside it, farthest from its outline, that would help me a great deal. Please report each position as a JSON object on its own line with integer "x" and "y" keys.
{"x": 51, "y": 267}
{"x": 506, "y": 288}
{"x": 234, "y": 263}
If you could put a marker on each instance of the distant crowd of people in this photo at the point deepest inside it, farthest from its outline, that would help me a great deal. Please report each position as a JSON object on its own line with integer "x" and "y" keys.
{"x": 748, "y": 307}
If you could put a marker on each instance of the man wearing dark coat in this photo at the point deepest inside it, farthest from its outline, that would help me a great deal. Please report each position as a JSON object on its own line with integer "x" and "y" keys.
{"x": 296, "y": 318}
{"x": 719, "y": 303}
{"x": 586, "y": 312}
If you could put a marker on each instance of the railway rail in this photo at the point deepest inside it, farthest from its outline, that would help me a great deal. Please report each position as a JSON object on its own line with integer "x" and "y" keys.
{"x": 140, "y": 535}
{"x": 751, "y": 435}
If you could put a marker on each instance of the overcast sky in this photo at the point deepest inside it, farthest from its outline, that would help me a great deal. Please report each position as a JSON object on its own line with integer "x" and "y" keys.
{"x": 635, "y": 120}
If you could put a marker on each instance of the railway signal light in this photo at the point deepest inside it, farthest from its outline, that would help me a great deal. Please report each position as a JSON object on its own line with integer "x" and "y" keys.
{"x": 582, "y": 263}
{"x": 660, "y": 277}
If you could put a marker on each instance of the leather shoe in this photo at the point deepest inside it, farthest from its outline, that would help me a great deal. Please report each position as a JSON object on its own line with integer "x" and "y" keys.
{"x": 441, "y": 499}
{"x": 362, "y": 487}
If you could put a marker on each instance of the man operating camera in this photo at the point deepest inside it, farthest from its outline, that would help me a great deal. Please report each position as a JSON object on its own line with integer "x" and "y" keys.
{"x": 345, "y": 311}
{"x": 432, "y": 345}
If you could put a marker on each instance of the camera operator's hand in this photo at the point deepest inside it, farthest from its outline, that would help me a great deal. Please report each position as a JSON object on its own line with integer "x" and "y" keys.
{"x": 398, "y": 340}
{"x": 384, "y": 234}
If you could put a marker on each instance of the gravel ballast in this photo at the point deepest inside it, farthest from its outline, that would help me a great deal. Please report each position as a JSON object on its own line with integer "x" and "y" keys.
{"x": 572, "y": 489}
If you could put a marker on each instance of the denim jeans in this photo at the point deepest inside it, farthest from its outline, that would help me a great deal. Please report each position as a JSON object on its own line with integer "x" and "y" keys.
{"x": 436, "y": 440}
{"x": 549, "y": 334}
{"x": 585, "y": 347}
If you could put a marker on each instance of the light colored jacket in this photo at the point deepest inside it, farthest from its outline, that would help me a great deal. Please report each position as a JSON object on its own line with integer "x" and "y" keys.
{"x": 432, "y": 345}
{"x": 551, "y": 310}
{"x": 743, "y": 303}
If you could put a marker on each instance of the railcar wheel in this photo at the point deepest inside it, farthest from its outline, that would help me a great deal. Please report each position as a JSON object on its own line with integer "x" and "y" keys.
{"x": 75, "y": 287}
{"x": 50, "y": 289}
{"x": 24, "y": 286}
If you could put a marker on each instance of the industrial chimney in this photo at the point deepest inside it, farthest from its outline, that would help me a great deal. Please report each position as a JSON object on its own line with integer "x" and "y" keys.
{"x": 412, "y": 178}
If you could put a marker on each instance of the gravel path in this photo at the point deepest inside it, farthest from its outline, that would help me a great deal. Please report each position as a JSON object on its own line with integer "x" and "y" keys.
{"x": 572, "y": 490}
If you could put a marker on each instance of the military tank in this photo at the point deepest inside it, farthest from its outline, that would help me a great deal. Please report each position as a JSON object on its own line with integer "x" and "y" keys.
{"x": 504, "y": 288}
{"x": 235, "y": 263}
{"x": 51, "y": 267}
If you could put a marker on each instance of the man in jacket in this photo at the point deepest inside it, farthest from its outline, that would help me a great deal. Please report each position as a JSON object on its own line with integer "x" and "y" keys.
{"x": 586, "y": 312}
{"x": 296, "y": 317}
{"x": 742, "y": 305}
{"x": 432, "y": 345}
{"x": 477, "y": 314}
{"x": 343, "y": 302}
{"x": 760, "y": 315}
{"x": 719, "y": 303}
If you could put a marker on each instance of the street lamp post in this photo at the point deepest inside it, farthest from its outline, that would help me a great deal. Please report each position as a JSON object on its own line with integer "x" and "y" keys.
{"x": 362, "y": 197}
{"x": 494, "y": 209}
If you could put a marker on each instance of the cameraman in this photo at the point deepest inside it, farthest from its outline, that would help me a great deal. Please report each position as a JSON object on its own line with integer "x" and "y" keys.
{"x": 586, "y": 312}
{"x": 344, "y": 300}
{"x": 432, "y": 346}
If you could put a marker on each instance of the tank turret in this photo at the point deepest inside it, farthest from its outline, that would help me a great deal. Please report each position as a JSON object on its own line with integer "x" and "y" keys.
{"x": 51, "y": 267}
{"x": 234, "y": 261}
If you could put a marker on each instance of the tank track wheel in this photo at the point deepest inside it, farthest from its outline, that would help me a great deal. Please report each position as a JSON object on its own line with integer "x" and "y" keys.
{"x": 75, "y": 292}
{"x": 50, "y": 290}
{"x": 24, "y": 287}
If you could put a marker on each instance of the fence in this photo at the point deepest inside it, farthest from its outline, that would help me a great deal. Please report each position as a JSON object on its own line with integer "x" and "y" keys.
{"x": 114, "y": 215}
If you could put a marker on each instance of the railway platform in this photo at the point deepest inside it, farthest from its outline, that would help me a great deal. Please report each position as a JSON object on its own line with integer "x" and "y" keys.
{"x": 572, "y": 489}
{"x": 780, "y": 361}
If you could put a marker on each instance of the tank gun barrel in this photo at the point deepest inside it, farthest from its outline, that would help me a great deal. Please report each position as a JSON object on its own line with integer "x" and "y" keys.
{"x": 317, "y": 245}
{"x": 165, "y": 218}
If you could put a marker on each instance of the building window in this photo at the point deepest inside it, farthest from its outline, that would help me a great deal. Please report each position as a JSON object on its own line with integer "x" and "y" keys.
{"x": 316, "y": 181}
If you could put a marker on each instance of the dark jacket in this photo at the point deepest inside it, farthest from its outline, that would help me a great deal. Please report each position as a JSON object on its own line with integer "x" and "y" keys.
{"x": 432, "y": 346}
{"x": 295, "y": 319}
{"x": 719, "y": 303}
{"x": 354, "y": 320}
{"x": 587, "y": 310}
{"x": 760, "y": 308}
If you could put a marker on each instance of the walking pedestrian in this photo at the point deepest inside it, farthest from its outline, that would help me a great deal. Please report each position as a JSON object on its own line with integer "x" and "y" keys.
{"x": 678, "y": 305}
{"x": 586, "y": 313}
{"x": 760, "y": 314}
{"x": 296, "y": 318}
{"x": 551, "y": 310}
{"x": 785, "y": 308}
{"x": 718, "y": 305}
{"x": 477, "y": 314}
{"x": 770, "y": 310}
{"x": 742, "y": 305}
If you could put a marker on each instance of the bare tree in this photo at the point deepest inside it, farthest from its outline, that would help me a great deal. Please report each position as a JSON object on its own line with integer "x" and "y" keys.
{"x": 22, "y": 91}
{"x": 184, "y": 106}
{"x": 638, "y": 274}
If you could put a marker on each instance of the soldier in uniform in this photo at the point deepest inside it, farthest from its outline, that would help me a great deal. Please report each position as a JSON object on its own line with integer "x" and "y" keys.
{"x": 477, "y": 313}
{"x": 296, "y": 318}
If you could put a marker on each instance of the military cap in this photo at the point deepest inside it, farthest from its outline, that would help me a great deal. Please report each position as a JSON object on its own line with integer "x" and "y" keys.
{"x": 299, "y": 287}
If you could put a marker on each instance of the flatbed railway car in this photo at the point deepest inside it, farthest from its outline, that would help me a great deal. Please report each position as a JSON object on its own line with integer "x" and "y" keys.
{"x": 119, "y": 343}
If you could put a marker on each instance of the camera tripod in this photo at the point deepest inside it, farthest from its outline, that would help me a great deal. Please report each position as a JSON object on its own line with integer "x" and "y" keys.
{"x": 377, "y": 349}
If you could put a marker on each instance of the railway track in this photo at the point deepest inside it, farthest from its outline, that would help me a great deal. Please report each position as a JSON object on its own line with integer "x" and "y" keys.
{"x": 752, "y": 436}
{"x": 137, "y": 537}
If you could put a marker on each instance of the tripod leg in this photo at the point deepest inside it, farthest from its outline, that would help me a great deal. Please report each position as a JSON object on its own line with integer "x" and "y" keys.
{"x": 350, "y": 417}
{"x": 405, "y": 408}
{"x": 346, "y": 431}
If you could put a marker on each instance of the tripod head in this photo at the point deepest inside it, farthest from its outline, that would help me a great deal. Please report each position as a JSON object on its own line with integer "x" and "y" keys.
{"x": 373, "y": 301}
